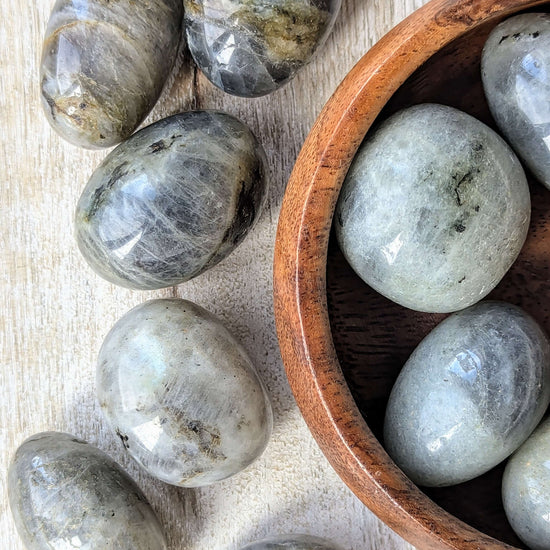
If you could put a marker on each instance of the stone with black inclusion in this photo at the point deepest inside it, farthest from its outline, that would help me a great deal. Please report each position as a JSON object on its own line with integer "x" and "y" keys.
{"x": 251, "y": 48}
{"x": 434, "y": 210}
{"x": 172, "y": 201}
{"x": 515, "y": 70}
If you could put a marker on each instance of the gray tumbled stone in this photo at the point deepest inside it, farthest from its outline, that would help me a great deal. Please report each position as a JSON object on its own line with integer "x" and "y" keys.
{"x": 182, "y": 394}
{"x": 292, "y": 542}
{"x": 65, "y": 493}
{"x": 470, "y": 394}
{"x": 104, "y": 65}
{"x": 515, "y": 71}
{"x": 526, "y": 489}
{"x": 434, "y": 210}
{"x": 172, "y": 201}
{"x": 252, "y": 47}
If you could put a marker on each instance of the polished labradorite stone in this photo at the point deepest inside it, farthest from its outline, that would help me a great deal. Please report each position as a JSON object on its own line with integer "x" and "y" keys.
{"x": 172, "y": 201}
{"x": 526, "y": 490}
{"x": 252, "y": 47}
{"x": 515, "y": 71}
{"x": 182, "y": 394}
{"x": 434, "y": 210}
{"x": 469, "y": 395}
{"x": 292, "y": 542}
{"x": 65, "y": 494}
{"x": 104, "y": 64}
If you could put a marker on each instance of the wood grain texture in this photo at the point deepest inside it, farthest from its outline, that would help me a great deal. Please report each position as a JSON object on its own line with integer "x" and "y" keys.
{"x": 342, "y": 355}
{"x": 55, "y": 311}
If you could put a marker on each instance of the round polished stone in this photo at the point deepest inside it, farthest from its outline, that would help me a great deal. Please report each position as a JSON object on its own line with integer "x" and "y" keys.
{"x": 104, "y": 65}
{"x": 526, "y": 489}
{"x": 252, "y": 47}
{"x": 182, "y": 394}
{"x": 65, "y": 493}
{"x": 434, "y": 210}
{"x": 470, "y": 394}
{"x": 292, "y": 542}
{"x": 515, "y": 70}
{"x": 172, "y": 201}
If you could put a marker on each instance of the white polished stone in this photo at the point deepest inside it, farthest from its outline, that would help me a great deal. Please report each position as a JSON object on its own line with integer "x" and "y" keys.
{"x": 182, "y": 394}
{"x": 434, "y": 210}
{"x": 526, "y": 489}
{"x": 515, "y": 70}
{"x": 470, "y": 394}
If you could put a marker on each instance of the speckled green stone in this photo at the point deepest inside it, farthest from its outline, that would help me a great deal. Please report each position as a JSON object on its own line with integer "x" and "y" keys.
{"x": 65, "y": 493}
{"x": 172, "y": 201}
{"x": 434, "y": 210}
{"x": 104, "y": 64}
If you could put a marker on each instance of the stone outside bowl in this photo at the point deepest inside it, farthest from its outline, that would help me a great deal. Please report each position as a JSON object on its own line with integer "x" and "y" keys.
{"x": 342, "y": 343}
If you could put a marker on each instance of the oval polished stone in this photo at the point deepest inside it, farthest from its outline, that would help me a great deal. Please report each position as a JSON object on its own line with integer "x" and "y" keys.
{"x": 526, "y": 489}
{"x": 172, "y": 201}
{"x": 65, "y": 493}
{"x": 251, "y": 48}
{"x": 104, "y": 65}
{"x": 292, "y": 542}
{"x": 470, "y": 394}
{"x": 182, "y": 394}
{"x": 515, "y": 72}
{"x": 434, "y": 210}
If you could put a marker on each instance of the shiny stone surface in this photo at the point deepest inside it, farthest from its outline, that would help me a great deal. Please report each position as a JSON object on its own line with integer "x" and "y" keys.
{"x": 516, "y": 78}
{"x": 65, "y": 494}
{"x": 526, "y": 489}
{"x": 172, "y": 201}
{"x": 434, "y": 210}
{"x": 182, "y": 394}
{"x": 468, "y": 396}
{"x": 252, "y": 47}
{"x": 104, "y": 65}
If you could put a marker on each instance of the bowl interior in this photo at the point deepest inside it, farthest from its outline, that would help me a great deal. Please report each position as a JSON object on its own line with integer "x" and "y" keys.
{"x": 373, "y": 337}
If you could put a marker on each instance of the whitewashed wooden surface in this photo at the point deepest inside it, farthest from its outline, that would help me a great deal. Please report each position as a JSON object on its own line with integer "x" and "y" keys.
{"x": 55, "y": 311}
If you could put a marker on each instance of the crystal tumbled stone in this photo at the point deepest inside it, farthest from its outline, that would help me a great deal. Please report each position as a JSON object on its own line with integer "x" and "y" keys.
{"x": 469, "y": 395}
{"x": 515, "y": 71}
{"x": 172, "y": 201}
{"x": 434, "y": 210}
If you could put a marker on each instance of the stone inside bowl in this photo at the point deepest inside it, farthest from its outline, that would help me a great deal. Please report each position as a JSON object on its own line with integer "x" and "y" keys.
{"x": 374, "y": 337}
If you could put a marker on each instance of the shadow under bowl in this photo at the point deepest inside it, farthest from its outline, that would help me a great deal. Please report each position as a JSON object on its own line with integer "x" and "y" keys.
{"x": 342, "y": 343}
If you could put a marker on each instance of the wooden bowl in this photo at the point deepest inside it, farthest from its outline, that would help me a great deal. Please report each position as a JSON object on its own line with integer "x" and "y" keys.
{"x": 342, "y": 343}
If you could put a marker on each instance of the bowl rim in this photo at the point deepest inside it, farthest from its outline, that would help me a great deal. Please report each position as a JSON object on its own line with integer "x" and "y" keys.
{"x": 299, "y": 274}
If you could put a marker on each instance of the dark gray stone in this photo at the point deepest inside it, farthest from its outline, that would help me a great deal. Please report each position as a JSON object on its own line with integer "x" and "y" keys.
{"x": 526, "y": 489}
{"x": 292, "y": 542}
{"x": 172, "y": 201}
{"x": 515, "y": 70}
{"x": 434, "y": 210}
{"x": 65, "y": 493}
{"x": 469, "y": 395}
{"x": 252, "y": 47}
{"x": 104, "y": 65}
{"x": 182, "y": 394}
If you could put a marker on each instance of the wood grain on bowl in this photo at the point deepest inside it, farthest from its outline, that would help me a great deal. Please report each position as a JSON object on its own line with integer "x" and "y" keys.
{"x": 343, "y": 344}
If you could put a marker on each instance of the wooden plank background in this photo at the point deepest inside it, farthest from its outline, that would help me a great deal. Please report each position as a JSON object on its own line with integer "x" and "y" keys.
{"x": 55, "y": 311}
